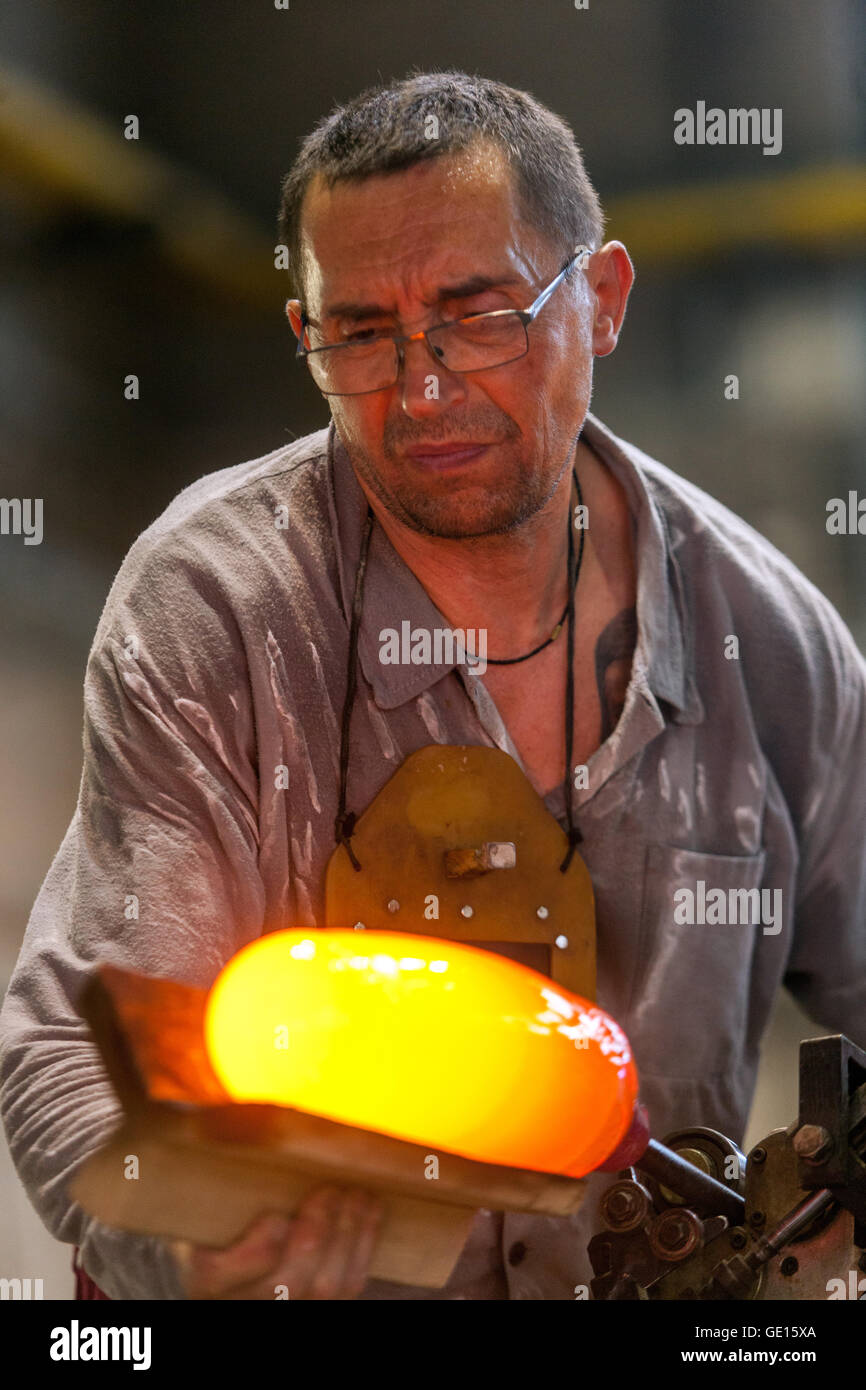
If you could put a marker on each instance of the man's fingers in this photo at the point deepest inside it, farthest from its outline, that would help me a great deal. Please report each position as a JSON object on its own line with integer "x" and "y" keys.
{"x": 324, "y": 1252}
{"x": 314, "y": 1231}
{"x": 340, "y": 1259}
{"x": 330, "y": 1246}
{"x": 358, "y": 1268}
{"x": 299, "y": 1255}
{"x": 216, "y": 1273}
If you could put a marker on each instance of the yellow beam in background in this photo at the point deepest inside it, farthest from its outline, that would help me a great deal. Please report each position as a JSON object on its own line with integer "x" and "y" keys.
{"x": 60, "y": 154}
{"x": 823, "y": 208}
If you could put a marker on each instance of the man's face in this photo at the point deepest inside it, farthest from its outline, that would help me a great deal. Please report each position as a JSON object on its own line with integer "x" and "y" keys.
{"x": 448, "y": 454}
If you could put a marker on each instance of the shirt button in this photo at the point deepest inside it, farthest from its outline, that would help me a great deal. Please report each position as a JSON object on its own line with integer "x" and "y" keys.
{"x": 517, "y": 1253}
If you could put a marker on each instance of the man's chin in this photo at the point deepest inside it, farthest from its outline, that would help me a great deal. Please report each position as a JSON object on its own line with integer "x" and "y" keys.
{"x": 459, "y": 508}
{"x": 452, "y": 522}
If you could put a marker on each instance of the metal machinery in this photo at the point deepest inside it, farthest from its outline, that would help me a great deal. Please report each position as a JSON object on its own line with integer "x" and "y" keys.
{"x": 696, "y": 1219}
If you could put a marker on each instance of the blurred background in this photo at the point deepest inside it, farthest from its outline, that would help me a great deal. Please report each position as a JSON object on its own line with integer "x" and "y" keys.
{"x": 154, "y": 257}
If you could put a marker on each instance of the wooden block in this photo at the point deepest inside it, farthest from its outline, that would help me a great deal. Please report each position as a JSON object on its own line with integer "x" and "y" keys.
{"x": 207, "y": 1166}
{"x": 210, "y": 1194}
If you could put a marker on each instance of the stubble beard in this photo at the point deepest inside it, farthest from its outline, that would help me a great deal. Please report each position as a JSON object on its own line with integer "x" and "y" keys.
{"x": 452, "y": 514}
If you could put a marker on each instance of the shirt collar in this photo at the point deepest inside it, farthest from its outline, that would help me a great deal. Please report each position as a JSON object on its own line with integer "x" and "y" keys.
{"x": 664, "y": 653}
{"x": 393, "y": 596}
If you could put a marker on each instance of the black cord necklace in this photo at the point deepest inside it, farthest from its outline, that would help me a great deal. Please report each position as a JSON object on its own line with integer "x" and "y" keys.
{"x": 515, "y": 660}
{"x": 344, "y": 824}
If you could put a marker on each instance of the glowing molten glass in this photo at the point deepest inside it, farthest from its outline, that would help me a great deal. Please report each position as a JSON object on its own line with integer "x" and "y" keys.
{"x": 430, "y": 1041}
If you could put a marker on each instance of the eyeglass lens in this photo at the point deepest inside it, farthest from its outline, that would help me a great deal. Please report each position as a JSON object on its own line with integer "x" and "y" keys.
{"x": 469, "y": 344}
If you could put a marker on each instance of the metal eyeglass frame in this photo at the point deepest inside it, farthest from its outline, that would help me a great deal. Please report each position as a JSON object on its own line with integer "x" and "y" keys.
{"x": 526, "y": 317}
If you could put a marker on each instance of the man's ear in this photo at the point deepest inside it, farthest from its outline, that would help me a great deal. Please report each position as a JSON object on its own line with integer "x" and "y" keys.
{"x": 612, "y": 279}
{"x": 294, "y": 309}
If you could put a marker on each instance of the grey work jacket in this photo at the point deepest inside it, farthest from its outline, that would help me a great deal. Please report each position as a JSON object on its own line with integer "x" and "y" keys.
{"x": 221, "y": 656}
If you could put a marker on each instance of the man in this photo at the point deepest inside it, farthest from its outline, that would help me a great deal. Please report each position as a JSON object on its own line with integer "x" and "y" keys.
{"x": 717, "y": 716}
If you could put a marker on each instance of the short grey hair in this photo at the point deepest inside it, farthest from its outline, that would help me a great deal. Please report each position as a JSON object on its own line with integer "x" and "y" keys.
{"x": 387, "y": 128}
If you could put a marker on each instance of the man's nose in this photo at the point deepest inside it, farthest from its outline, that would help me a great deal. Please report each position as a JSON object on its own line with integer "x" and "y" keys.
{"x": 427, "y": 387}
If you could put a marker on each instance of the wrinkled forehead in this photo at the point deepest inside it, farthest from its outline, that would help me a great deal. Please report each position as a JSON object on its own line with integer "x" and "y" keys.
{"x": 442, "y": 217}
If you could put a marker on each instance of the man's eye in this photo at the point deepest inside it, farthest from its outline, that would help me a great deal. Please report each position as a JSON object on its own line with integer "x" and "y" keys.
{"x": 478, "y": 304}
{"x": 362, "y": 333}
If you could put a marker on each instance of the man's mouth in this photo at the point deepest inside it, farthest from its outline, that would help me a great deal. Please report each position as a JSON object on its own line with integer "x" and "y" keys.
{"x": 450, "y": 454}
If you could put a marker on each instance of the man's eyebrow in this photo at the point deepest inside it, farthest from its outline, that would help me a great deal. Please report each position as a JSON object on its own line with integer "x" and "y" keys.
{"x": 476, "y": 284}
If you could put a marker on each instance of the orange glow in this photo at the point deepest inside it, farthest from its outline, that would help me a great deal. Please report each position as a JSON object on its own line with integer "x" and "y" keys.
{"x": 430, "y": 1041}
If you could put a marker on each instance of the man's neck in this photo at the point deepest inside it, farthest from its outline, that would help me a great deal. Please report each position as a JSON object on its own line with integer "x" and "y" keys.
{"x": 514, "y": 584}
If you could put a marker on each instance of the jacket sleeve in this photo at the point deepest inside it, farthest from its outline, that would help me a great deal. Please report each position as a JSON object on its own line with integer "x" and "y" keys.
{"x": 826, "y": 970}
{"x": 158, "y": 872}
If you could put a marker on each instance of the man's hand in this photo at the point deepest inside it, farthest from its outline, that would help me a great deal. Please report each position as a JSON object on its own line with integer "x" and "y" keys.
{"x": 322, "y": 1252}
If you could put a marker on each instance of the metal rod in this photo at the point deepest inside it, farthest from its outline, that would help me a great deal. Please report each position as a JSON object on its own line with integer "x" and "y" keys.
{"x": 682, "y": 1177}
{"x": 789, "y": 1228}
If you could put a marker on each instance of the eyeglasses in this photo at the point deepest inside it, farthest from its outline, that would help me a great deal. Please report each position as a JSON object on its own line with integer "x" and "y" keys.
{"x": 471, "y": 344}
